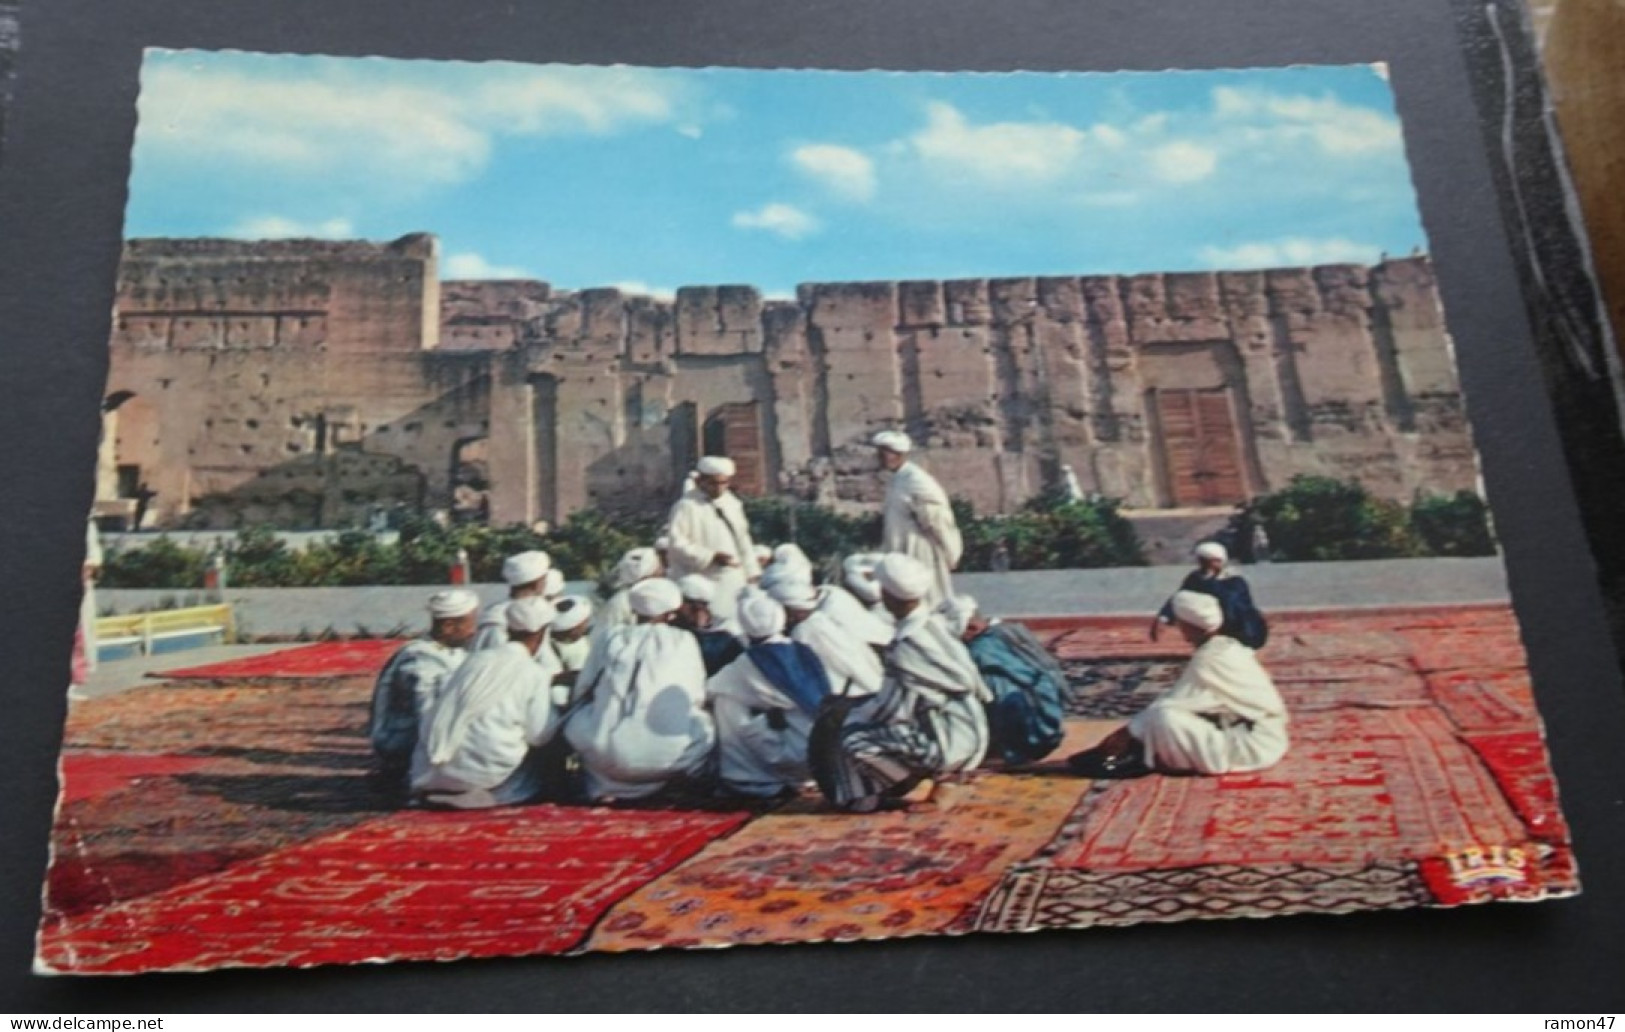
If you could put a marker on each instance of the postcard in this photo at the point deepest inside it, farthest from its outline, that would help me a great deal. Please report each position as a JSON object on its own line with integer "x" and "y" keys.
{"x": 556, "y": 508}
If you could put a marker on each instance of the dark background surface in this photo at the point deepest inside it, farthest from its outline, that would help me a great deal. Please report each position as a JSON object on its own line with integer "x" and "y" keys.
{"x": 62, "y": 191}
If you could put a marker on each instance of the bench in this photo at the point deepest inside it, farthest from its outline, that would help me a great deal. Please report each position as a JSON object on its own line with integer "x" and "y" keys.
{"x": 148, "y": 633}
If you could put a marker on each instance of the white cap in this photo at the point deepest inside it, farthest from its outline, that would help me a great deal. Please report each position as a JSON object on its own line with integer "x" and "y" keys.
{"x": 958, "y": 611}
{"x": 1212, "y": 550}
{"x": 553, "y": 583}
{"x": 859, "y": 574}
{"x": 893, "y": 441}
{"x": 655, "y": 596}
{"x": 696, "y": 588}
{"x": 715, "y": 466}
{"x": 529, "y": 615}
{"x": 903, "y": 577}
{"x": 663, "y": 543}
{"x": 573, "y": 612}
{"x": 638, "y": 564}
{"x": 526, "y": 568}
{"x": 1198, "y": 610}
{"x": 761, "y": 617}
{"x": 445, "y": 605}
{"x": 794, "y": 593}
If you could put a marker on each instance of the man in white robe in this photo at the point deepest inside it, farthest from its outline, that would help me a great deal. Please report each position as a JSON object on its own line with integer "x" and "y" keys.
{"x": 1222, "y": 716}
{"x": 764, "y": 703}
{"x": 483, "y": 737}
{"x": 858, "y": 577}
{"x": 710, "y": 535}
{"x": 928, "y": 720}
{"x": 719, "y": 642}
{"x": 569, "y": 636}
{"x": 411, "y": 682}
{"x": 918, "y": 519}
{"x": 639, "y": 721}
{"x": 526, "y": 576}
{"x": 635, "y": 567}
{"x": 847, "y": 640}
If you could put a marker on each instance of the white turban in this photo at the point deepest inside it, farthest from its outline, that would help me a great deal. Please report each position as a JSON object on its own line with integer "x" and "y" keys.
{"x": 761, "y": 617}
{"x": 893, "y": 441}
{"x": 791, "y": 555}
{"x": 794, "y": 593}
{"x": 656, "y": 596}
{"x": 526, "y": 568}
{"x": 529, "y": 615}
{"x": 446, "y": 605}
{"x": 859, "y": 574}
{"x": 1198, "y": 610}
{"x": 663, "y": 543}
{"x": 1212, "y": 550}
{"x": 958, "y": 611}
{"x": 785, "y": 571}
{"x": 553, "y": 583}
{"x": 903, "y": 577}
{"x": 573, "y": 612}
{"x": 696, "y": 588}
{"x": 715, "y": 466}
{"x": 636, "y": 565}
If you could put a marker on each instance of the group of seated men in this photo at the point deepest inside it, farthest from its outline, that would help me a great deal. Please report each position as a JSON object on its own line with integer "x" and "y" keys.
{"x": 858, "y": 685}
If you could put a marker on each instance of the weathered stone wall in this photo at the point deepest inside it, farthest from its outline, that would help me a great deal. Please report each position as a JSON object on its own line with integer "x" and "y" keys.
{"x": 305, "y": 382}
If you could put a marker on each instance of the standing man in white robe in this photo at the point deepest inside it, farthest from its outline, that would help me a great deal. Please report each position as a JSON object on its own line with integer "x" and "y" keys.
{"x": 1222, "y": 716}
{"x": 411, "y": 682}
{"x": 526, "y": 575}
{"x": 918, "y": 519}
{"x": 710, "y": 535}
{"x": 640, "y": 721}
{"x": 483, "y": 737}
{"x": 764, "y": 703}
{"x": 928, "y": 720}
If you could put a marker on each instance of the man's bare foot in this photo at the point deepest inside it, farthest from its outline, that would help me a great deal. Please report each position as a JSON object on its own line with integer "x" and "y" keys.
{"x": 920, "y": 793}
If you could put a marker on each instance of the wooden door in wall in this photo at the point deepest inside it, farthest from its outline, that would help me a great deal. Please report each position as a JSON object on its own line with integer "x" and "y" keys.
{"x": 1200, "y": 447}
{"x": 736, "y": 431}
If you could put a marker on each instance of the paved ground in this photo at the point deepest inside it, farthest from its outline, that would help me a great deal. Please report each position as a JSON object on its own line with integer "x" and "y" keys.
{"x": 121, "y": 675}
{"x": 293, "y": 612}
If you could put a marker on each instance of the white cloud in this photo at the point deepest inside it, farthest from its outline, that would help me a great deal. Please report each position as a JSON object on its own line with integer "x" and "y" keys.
{"x": 1290, "y": 251}
{"x": 278, "y": 227}
{"x": 645, "y": 290}
{"x": 998, "y": 153}
{"x": 845, "y": 172}
{"x": 470, "y": 265}
{"x": 1335, "y": 127}
{"x": 1183, "y": 162}
{"x": 781, "y": 219}
{"x": 411, "y": 124}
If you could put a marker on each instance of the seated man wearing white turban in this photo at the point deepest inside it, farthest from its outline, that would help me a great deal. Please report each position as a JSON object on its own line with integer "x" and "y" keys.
{"x": 764, "y": 703}
{"x": 710, "y": 535}
{"x": 635, "y": 567}
{"x": 926, "y": 721}
{"x": 718, "y": 647}
{"x": 1213, "y": 576}
{"x": 847, "y": 643}
{"x": 568, "y": 636}
{"x": 918, "y": 519}
{"x": 858, "y": 577}
{"x": 483, "y": 737}
{"x": 526, "y": 576}
{"x": 639, "y": 720}
{"x": 411, "y": 682}
{"x": 1222, "y": 716}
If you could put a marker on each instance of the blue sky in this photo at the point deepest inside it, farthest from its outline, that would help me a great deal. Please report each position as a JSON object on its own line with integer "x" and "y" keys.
{"x": 657, "y": 178}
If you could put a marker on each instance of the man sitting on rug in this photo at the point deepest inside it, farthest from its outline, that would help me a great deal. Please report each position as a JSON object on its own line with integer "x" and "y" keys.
{"x": 718, "y": 645}
{"x": 1222, "y": 716}
{"x": 764, "y": 703}
{"x": 850, "y": 653}
{"x": 926, "y": 721}
{"x": 1213, "y": 576}
{"x": 482, "y": 739}
{"x": 640, "y": 721}
{"x": 635, "y": 567}
{"x": 858, "y": 577}
{"x": 569, "y": 636}
{"x": 526, "y": 577}
{"x": 1028, "y": 685}
{"x": 411, "y": 681}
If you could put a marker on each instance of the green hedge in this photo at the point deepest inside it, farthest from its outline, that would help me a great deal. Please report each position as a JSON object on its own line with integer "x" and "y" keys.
{"x": 1317, "y": 519}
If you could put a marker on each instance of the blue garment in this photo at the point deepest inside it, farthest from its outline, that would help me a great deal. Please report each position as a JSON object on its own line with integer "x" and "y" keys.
{"x": 793, "y": 669}
{"x": 1028, "y": 686}
{"x": 717, "y": 649}
{"x": 1242, "y": 619}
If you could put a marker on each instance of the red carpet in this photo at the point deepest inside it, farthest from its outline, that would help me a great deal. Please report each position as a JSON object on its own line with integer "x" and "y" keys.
{"x": 324, "y": 659}
{"x": 516, "y": 881}
{"x": 88, "y": 775}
